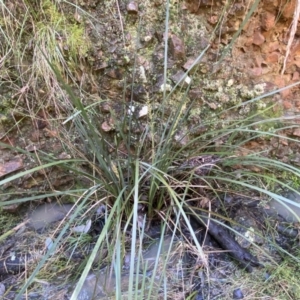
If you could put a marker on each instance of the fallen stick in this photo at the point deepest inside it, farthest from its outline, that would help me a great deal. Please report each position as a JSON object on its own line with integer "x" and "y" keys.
{"x": 220, "y": 233}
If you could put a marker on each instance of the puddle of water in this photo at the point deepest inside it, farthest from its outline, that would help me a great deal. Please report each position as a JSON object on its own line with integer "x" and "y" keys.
{"x": 103, "y": 284}
{"x": 46, "y": 214}
{"x": 94, "y": 286}
{"x": 289, "y": 212}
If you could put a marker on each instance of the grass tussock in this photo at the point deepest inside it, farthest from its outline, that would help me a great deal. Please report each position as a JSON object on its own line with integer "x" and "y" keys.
{"x": 144, "y": 171}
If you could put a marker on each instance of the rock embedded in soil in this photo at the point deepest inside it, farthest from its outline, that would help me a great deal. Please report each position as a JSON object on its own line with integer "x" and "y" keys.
{"x": 105, "y": 107}
{"x": 115, "y": 73}
{"x": 296, "y": 132}
{"x": 273, "y": 57}
{"x": 288, "y": 9}
{"x": 182, "y": 78}
{"x": 132, "y": 7}
{"x": 238, "y": 294}
{"x": 10, "y": 166}
{"x": 138, "y": 93}
{"x": 32, "y": 147}
{"x": 100, "y": 66}
{"x": 35, "y": 136}
{"x": 147, "y": 39}
{"x": 189, "y": 63}
{"x": 177, "y": 49}
{"x": 143, "y": 111}
{"x": 267, "y": 21}
{"x": 107, "y": 126}
{"x": 258, "y": 38}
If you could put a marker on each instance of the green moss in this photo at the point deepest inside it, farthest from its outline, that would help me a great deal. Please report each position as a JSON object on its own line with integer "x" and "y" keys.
{"x": 5, "y": 103}
{"x": 290, "y": 179}
{"x": 7, "y": 221}
{"x": 77, "y": 40}
{"x": 54, "y": 29}
{"x": 286, "y": 275}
